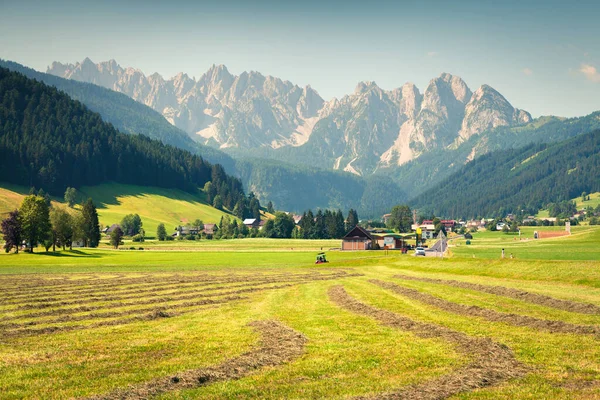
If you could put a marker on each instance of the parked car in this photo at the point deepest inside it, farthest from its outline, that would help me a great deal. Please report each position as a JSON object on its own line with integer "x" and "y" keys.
{"x": 419, "y": 251}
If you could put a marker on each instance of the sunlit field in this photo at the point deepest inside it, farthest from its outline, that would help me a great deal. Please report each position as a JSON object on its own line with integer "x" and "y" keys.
{"x": 257, "y": 318}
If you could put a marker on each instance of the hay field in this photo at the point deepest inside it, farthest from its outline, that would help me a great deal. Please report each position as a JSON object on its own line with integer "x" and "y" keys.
{"x": 269, "y": 323}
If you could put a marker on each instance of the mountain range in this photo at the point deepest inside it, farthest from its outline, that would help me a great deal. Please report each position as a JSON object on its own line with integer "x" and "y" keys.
{"x": 364, "y": 132}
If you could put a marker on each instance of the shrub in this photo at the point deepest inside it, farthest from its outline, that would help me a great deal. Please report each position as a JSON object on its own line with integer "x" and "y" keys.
{"x": 137, "y": 238}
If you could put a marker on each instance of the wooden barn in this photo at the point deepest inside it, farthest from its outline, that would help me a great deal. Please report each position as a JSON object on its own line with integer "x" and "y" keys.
{"x": 357, "y": 239}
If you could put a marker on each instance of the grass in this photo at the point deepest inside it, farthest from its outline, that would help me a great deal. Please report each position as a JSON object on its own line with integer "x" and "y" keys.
{"x": 171, "y": 207}
{"x": 87, "y": 295}
{"x": 594, "y": 201}
{"x": 581, "y": 245}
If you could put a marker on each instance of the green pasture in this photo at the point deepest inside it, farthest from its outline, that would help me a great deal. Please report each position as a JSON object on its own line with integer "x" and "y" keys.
{"x": 171, "y": 207}
{"x": 346, "y": 355}
{"x": 583, "y": 244}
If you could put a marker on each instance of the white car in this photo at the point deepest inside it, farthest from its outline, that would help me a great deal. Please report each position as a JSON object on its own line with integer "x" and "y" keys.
{"x": 419, "y": 251}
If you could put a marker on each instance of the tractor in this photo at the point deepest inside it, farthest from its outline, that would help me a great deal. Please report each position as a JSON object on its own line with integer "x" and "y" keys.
{"x": 321, "y": 259}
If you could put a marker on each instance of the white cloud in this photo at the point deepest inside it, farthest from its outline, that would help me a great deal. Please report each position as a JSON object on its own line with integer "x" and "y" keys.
{"x": 590, "y": 72}
{"x": 527, "y": 71}
{"x": 432, "y": 54}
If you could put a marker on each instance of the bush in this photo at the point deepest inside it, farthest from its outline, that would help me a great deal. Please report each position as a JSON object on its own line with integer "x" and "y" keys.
{"x": 141, "y": 248}
{"x": 137, "y": 238}
{"x": 132, "y": 248}
{"x": 191, "y": 237}
{"x": 169, "y": 237}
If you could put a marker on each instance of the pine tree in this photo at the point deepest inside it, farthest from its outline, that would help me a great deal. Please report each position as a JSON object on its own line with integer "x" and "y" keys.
{"x": 91, "y": 226}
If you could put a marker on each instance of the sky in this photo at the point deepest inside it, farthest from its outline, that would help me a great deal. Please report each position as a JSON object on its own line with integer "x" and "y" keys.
{"x": 543, "y": 56}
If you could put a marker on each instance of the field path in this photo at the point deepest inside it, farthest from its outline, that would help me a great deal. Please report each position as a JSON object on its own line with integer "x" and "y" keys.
{"x": 490, "y": 315}
{"x": 278, "y": 344}
{"x": 491, "y": 362}
{"x": 547, "y": 301}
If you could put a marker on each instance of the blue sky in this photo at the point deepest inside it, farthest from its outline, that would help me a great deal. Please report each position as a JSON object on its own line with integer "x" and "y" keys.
{"x": 543, "y": 56}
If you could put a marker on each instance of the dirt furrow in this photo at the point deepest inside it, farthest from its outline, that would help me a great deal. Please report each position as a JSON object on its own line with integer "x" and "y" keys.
{"x": 565, "y": 305}
{"x": 490, "y": 363}
{"x": 490, "y": 315}
{"x": 279, "y": 344}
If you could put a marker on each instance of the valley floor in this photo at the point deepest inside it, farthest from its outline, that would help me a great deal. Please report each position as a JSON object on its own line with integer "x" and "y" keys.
{"x": 261, "y": 320}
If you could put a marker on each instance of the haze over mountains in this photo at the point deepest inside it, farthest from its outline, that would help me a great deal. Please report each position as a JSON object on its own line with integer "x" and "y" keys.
{"x": 369, "y": 130}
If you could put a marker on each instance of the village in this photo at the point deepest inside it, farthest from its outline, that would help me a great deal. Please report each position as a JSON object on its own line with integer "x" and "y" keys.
{"x": 424, "y": 236}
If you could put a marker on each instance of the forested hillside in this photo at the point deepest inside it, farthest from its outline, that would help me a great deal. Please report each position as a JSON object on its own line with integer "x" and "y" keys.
{"x": 126, "y": 114}
{"x": 518, "y": 180}
{"x": 432, "y": 168}
{"x": 292, "y": 187}
{"x": 50, "y": 141}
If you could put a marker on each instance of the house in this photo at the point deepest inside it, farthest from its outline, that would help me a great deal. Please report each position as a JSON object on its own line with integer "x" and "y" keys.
{"x": 357, "y": 239}
{"x": 449, "y": 224}
{"x": 529, "y": 219}
{"x": 427, "y": 230}
{"x": 297, "y": 219}
{"x": 109, "y": 229}
{"x": 186, "y": 230}
{"x": 390, "y": 240}
{"x": 500, "y": 226}
{"x": 209, "y": 230}
{"x": 251, "y": 223}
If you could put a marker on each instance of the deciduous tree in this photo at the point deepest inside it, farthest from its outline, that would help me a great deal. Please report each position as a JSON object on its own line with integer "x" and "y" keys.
{"x": 35, "y": 217}
{"x": 12, "y": 231}
{"x": 115, "y": 237}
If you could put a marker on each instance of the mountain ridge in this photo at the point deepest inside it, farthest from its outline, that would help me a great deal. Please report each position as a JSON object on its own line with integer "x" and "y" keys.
{"x": 373, "y": 128}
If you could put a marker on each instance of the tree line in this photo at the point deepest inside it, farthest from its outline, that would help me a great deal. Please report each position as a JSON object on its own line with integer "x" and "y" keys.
{"x": 38, "y": 222}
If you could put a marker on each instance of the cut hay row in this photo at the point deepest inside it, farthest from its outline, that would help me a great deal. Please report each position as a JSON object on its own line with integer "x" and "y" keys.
{"x": 116, "y": 294}
{"x": 138, "y": 282}
{"x": 547, "y": 301}
{"x": 279, "y": 344}
{"x": 119, "y": 299}
{"x": 154, "y": 313}
{"x": 490, "y": 315}
{"x": 67, "y": 315}
{"x": 128, "y": 283}
{"x": 491, "y": 363}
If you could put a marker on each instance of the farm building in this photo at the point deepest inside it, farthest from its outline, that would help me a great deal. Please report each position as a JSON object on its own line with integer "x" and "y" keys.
{"x": 251, "y": 223}
{"x": 209, "y": 230}
{"x": 357, "y": 239}
{"x": 390, "y": 240}
{"x": 109, "y": 229}
{"x": 185, "y": 230}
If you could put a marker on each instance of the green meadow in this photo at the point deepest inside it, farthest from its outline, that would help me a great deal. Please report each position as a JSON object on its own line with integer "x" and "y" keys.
{"x": 175, "y": 320}
{"x": 171, "y": 207}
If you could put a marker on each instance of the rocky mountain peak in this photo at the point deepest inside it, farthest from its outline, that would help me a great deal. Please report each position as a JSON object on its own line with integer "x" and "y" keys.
{"x": 488, "y": 109}
{"x": 364, "y": 87}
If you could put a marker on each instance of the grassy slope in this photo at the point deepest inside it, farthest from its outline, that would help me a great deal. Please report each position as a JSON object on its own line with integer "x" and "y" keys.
{"x": 594, "y": 201}
{"x": 154, "y": 205}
